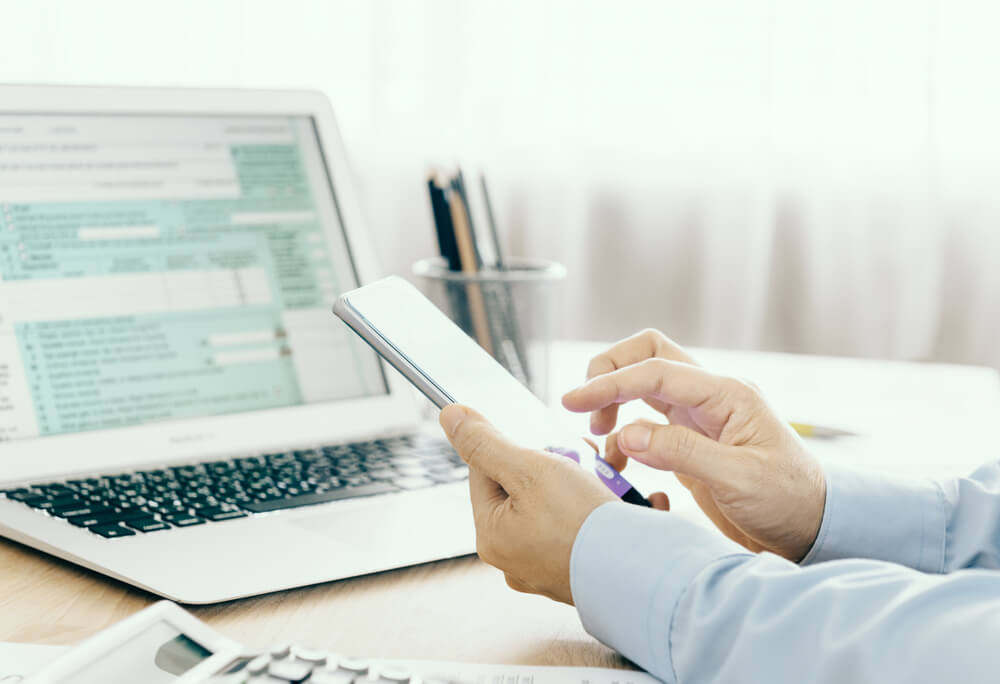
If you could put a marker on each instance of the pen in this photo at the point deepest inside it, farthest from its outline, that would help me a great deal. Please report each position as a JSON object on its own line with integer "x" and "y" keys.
{"x": 491, "y": 218}
{"x": 442, "y": 223}
{"x": 610, "y": 477}
{"x": 820, "y": 431}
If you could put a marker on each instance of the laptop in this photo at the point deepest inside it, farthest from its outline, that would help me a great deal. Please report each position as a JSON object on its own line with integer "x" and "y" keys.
{"x": 178, "y": 407}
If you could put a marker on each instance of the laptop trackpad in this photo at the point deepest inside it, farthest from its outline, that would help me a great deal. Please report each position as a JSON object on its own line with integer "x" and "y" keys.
{"x": 381, "y": 526}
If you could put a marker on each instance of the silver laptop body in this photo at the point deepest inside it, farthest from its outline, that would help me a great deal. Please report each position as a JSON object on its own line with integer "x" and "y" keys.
{"x": 178, "y": 407}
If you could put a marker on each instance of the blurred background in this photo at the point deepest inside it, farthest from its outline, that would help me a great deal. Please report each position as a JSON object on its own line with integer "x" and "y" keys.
{"x": 788, "y": 175}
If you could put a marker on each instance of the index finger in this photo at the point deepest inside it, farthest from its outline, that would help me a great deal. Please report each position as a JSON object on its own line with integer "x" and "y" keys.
{"x": 646, "y": 344}
{"x": 670, "y": 382}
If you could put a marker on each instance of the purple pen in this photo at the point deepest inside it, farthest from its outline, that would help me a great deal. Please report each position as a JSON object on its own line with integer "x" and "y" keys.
{"x": 611, "y": 478}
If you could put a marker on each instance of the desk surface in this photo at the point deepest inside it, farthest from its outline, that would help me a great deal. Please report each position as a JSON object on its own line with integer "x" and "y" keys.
{"x": 912, "y": 418}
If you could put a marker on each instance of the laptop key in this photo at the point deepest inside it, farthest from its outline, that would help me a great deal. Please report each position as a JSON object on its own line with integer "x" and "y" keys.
{"x": 182, "y": 520}
{"x": 21, "y": 494}
{"x": 30, "y": 500}
{"x": 320, "y": 497}
{"x": 112, "y": 531}
{"x": 217, "y": 513}
{"x": 414, "y": 482}
{"x": 78, "y": 509}
{"x": 56, "y": 503}
{"x": 93, "y": 519}
{"x": 452, "y": 475}
{"x": 108, "y": 517}
{"x": 147, "y": 525}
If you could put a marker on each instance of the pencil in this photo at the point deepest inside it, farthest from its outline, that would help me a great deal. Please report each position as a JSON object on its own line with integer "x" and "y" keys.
{"x": 470, "y": 265}
{"x": 820, "y": 431}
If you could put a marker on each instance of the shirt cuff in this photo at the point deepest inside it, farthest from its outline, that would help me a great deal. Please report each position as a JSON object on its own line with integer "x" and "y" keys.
{"x": 628, "y": 569}
{"x": 881, "y": 517}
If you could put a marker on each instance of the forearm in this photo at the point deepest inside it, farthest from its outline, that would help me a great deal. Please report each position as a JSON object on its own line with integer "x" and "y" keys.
{"x": 933, "y": 526}
{"x": 690, "y": 607}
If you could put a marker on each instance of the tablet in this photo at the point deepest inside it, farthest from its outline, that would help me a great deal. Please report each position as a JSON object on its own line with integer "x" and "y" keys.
{"x": 448, "y": 367}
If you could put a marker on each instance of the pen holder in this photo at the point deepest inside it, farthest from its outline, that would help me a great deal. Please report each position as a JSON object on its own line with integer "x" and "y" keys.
{"x": 507, "y": 311}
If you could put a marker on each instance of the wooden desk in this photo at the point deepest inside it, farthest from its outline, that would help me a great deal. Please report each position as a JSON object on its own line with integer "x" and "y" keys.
{"x": 450, "y": 610}
{"x": 462, "y": 609}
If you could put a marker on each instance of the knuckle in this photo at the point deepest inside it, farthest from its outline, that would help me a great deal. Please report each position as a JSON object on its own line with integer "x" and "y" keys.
{"x": 757, "y": 473}
{"x": 473, "y": 446}
{"x": 539, "y": 467}
{"x": 515, "y": 584}
{"x": 655, "y": 365}
{"x": 652, "y": 335}
{"x": 556, "y": 466}
{"x": 485, "y": 550}
{"x": 683, "y": 444}
{"x": 750, "y": 386}
{"x": 658, "y": 369}
{"x": 598, "y": 366}
{"x": 739, "y": 390}
{"x": 655, "y": 339}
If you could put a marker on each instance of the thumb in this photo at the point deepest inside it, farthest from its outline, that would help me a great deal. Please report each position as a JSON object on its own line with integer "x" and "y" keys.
{"x": 484, "y": 448}
{"x": 682, "y": 450}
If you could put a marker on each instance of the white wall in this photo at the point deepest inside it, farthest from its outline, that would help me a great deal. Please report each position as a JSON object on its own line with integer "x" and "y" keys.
{"x": 814, "y": 176}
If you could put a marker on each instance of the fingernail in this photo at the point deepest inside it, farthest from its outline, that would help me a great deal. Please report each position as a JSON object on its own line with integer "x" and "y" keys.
{"x": 451, "y": 417}
{"x": 636, "y": 437}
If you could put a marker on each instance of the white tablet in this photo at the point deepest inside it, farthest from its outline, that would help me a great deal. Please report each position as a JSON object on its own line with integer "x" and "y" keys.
{"x": 448, "y": 367}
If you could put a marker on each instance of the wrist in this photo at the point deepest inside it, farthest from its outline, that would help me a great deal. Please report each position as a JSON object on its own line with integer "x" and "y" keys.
{"x": 812, "y": 521}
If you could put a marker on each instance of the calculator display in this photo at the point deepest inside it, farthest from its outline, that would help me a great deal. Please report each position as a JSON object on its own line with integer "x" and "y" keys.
{"x": 158, "y": 654}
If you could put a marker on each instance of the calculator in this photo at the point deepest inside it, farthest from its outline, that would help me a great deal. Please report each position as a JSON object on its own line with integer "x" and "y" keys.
{"x": 164, "y": 644}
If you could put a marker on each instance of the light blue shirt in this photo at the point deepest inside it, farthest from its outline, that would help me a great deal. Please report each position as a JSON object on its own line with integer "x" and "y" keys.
{"x": 901, "y": 585}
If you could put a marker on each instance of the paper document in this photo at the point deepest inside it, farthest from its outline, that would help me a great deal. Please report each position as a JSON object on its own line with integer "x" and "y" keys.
{"x": 17, "y": 661}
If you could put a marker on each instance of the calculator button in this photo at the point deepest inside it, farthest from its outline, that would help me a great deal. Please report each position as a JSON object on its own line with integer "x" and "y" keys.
{"x": 234, "y": 678}
{"x": 309, "y": 655}
{"x": 259, "y": 664}
{"x": 289, "y": 670}
{"x": 354, "y": 665}
{"x": 280, "y": 650}
{"x": 394, "y": 674}
{"x": 332, "y": 677}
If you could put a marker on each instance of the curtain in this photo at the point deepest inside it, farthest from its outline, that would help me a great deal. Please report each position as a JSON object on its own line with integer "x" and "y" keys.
{"x": 805, "y": 176}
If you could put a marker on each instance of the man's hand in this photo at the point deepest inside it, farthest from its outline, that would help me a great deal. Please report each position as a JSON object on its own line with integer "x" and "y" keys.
{"x": 746, "y": 468}
{"x": 528, "y": 505}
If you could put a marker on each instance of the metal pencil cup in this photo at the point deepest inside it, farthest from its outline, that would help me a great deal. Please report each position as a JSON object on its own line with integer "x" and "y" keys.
{"x": 508, "y": 312}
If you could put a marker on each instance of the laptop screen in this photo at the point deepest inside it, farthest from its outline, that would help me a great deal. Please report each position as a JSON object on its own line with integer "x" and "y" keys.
{"x": 165, "y": 267}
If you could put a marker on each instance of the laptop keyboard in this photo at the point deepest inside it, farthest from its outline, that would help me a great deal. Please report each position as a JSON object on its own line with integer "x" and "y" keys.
{"x": 143, "y": 501}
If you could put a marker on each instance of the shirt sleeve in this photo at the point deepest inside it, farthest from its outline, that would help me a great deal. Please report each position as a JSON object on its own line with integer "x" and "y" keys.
{"x": 933, "y": 526}
{"x": 689, "y": 606}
